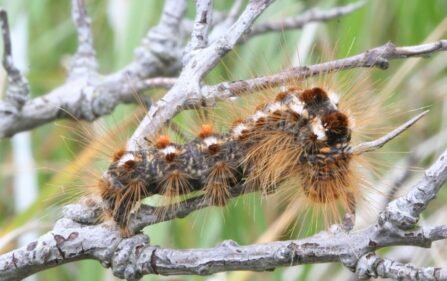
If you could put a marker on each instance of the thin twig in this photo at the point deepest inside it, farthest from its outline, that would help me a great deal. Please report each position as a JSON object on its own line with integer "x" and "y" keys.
{"x": 84, "y": 61}
{"x": 221, "y": 27}
{"x": 401, "y": 172}
{"x": 297, "y": 22}
{"x": 202, "y": 22}
{"x": 17, "y": 93}
{"x": 378, "y": 57}
{"x": 378, "y": 143}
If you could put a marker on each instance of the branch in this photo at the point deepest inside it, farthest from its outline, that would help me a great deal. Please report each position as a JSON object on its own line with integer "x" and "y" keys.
{"x": 17, "y": 93}
{"x": 148, "y": 215}
{"x": 158, "y": 55}
{"x": 371, "y": 265}
{"x": 378, "y": 143}
{"x": 188, "y": 83}
{"x": 162, "y": 47}
{"x": 379, "y": 57}
{"x": 297, "y": 22}
{"x": 85, "y": 97}
{"x": 84, "y": 61}
{"x": 404, "y": 212}
{"x": 132, "y": 258}
{"x": 203, "y": 20}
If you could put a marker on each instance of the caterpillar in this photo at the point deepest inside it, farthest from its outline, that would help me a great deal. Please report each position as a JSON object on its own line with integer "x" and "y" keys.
{"x": 301, "y": 134}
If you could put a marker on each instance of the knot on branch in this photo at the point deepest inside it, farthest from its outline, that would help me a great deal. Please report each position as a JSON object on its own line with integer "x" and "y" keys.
{"x": 88, "y": 98}
{"x": 374, "y": 58}
{"x": 126, "y": 256}
{"x": 7, "y": 109}
{"x": 371, "y": 265}
{"x": 367, "y": 266}
{"x": 397, "y": 216}
{"x": 167, "y": 49}
{"x": 88, "y": 212}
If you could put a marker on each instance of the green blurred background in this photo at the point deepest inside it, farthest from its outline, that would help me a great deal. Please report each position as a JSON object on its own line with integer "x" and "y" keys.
{"x": 46, "y": 41}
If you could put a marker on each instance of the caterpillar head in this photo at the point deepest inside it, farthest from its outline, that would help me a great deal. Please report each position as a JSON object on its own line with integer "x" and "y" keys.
{"x": 327, "y": 129}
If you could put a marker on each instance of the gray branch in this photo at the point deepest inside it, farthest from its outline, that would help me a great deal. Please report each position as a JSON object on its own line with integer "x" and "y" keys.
{"x": 379, "y": 57}
{"x": 378, "y": 143}
{"x": 87, "y": 97}
{"x": 297, "y": 22}
{"x": 187, "y": 92}
{"x": 17, "y": 93}
{"x": 371, "y": 265}
{"x": 84, "y": 61}
{"x": 199, "y": 64}
{"x": 404, "y": 212}
{"x": 134, "y": 257}
{"x": 203, "y": 20}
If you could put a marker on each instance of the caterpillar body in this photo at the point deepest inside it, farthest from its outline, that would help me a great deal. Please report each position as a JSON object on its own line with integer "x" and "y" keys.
{"x": 301, "y": 134}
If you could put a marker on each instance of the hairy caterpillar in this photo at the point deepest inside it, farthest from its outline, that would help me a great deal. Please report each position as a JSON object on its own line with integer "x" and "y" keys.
{"x": 301, "y": 134}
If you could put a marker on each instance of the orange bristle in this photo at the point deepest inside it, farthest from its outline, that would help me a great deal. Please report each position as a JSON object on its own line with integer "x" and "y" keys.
{"x": 236, "y": 122}
{"x": 276, "y": 116}
{"x": 261, "y": 122}
{"x": 281, "y": 96}
{"x": 206, "y": 130}
{"x": 174, "y": 184}
{"x": 219, "y": 182}
{"x": 260, "y": 106}
{"x": 162, "y": 141}
{"x": 293, "y": 90}
{"x": 118, "y": 154}
{"x": 103, "y": 186}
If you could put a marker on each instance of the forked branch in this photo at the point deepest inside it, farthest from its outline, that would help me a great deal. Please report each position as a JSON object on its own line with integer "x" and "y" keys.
{"x": 134, "y": 257}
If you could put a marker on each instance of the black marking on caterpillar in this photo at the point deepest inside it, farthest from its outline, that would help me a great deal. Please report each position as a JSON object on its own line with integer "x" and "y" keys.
{"x": 300, "y": 133}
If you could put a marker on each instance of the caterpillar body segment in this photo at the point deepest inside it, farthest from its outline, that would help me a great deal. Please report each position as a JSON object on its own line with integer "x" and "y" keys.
{"x": 300, "y": 134}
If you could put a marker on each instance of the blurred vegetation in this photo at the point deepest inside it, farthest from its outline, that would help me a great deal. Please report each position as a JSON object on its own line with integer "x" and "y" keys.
{"x": 61, "y": 161}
